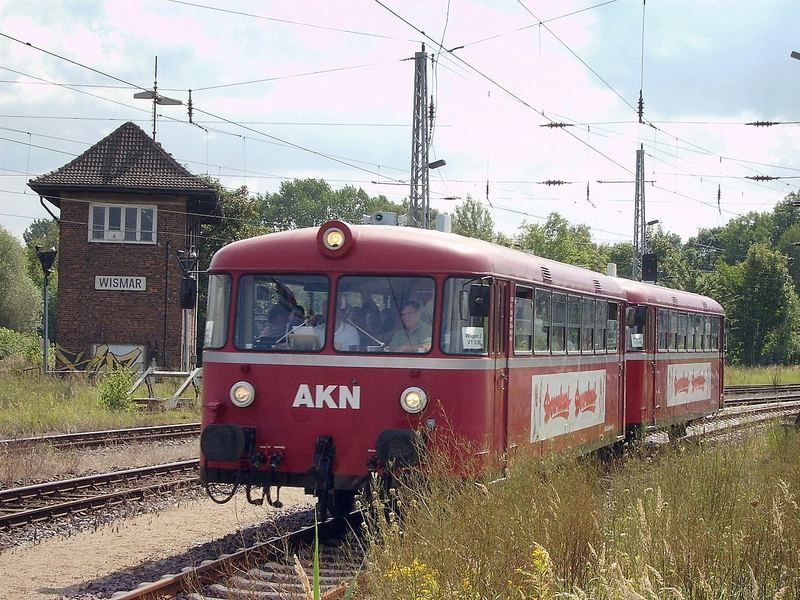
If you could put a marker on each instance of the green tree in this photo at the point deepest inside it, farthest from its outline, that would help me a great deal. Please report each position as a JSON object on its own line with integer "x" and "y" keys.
{"x": 763, "y": 310}
{"x": 472, "y": 219}
{"x": 785, "y": 215}
{"x": 20, "y": 302}
{"x": 311, "y": 202}
{"x": 558, "y": 240}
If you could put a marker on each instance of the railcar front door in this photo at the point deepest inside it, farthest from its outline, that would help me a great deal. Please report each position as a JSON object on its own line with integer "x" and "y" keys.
{"x": 500, "y": 328}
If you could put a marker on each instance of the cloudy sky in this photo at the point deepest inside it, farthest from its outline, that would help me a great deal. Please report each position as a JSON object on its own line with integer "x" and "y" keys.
{"x": 286, "y": 90}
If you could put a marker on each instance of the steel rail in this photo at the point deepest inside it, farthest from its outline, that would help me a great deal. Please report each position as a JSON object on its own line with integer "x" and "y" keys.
{"x": 191, "y": 580}
{"x": 97, "y": 438}
{"x": 12, "y": 501}
{"x": 755, "y": 388}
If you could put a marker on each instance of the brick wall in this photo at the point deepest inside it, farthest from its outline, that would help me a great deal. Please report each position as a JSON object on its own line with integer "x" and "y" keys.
{"x": 152, "y": 318}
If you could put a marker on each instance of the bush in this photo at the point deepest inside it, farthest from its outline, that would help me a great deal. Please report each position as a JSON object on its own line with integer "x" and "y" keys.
{"x": 115, "y": 388}
{"x": 26, "y": 346}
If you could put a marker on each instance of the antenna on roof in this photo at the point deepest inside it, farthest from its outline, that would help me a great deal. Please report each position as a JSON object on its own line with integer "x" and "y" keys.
{"x": 156, "y": 97}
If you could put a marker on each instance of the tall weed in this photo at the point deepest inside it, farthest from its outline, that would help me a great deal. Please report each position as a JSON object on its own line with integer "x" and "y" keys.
{"x": 693, "y": 523}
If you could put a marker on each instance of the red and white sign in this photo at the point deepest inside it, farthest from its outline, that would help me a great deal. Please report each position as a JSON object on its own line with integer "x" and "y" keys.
{"x": 687, "y": 383}
{"x": 567, "y": 402}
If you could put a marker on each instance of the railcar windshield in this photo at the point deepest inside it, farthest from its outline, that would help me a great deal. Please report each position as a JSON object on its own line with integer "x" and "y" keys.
{"x": 465, "y": 322}
{"x": 384, "y": 314}
{"x": 219, "y": 299}
{"x": 281, "y": 312}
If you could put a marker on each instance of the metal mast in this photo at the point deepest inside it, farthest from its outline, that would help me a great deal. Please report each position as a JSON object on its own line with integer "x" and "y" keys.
{"x": 639, "y": 221}
{"x": 419, "y": 209}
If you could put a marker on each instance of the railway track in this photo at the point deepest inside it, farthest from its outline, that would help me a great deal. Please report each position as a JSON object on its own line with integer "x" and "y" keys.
{"x": 89, "y": 439}
{"x": 268, "y": 569}
{"x": 43, "y": 502}
{"x": 758, "y": 388}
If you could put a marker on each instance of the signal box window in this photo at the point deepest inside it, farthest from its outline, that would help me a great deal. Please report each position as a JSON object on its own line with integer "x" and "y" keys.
{"x": 219, "y": 299}
{"x": 541, "y": 321}
{"x": 465, "y": 316}
{"x": 122, "y": 223}
{"x": 559, "y": 322}
{"x": 384, "y": 314}
{"x": 281, "y": 312}
{"x": 523, "y": 320}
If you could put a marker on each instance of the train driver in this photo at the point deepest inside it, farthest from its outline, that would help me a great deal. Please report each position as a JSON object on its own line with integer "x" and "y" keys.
{"x": 345, "y": 336}
{"x": 277, "y": 325}
{"x": 414, "y": 335}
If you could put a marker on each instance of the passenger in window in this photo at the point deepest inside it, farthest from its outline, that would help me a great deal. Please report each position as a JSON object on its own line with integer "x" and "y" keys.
{"x": 277, "y": 325}
{"x": 415, "y": 333}
{"x": 423, "y": 296}
{"x": 345, "y": 336}
{"x": 368, "y": 315}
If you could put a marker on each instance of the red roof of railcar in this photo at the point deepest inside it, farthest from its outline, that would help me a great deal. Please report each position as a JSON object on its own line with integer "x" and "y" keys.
{"x": 647, "y": 293}
{"x": 406, "y": 250}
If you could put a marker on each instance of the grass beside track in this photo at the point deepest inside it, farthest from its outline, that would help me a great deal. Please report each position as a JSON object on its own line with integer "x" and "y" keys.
{"x": 774, "y": 375}
{"x": 692, "y": 522}
{"x": 31, "y": 404}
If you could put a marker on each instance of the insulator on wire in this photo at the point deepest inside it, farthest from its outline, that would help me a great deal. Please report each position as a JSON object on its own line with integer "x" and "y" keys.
{"x": 761, "y": 177}
{"x": 556, "y": 124}
{"x": 763, "y": 123}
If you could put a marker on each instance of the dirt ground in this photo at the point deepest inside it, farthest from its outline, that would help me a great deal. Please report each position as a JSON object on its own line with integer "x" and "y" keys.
{"x": 57, "y": 567}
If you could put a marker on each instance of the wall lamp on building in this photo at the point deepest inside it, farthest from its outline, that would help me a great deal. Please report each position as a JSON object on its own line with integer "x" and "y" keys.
{"x": 46, "y": 259}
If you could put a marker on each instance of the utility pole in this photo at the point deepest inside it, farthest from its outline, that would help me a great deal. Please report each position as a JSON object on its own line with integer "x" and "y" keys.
{"x": 639, "y": 220}
{"x": 419, "y": 200}
{"x": 156, "y": 97}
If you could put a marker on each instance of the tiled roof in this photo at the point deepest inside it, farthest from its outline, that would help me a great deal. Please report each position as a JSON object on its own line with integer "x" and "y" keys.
{"x": 126, "y": 159}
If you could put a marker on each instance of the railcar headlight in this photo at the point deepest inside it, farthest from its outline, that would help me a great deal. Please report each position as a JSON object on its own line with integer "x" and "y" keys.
{"x": 242, "y": 394}
{"x": 334, "y": 238}
{"x": 413, "y": 400}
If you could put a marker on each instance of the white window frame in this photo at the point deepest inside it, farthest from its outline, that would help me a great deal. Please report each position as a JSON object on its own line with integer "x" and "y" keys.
{"x": 118, "y": 237}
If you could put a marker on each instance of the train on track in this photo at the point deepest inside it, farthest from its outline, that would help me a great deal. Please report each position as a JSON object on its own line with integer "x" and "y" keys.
{"x": 334, "y": 353}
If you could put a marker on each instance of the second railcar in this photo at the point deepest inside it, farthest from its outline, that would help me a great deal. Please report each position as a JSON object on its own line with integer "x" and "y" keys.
{"x": 674, "y": 358}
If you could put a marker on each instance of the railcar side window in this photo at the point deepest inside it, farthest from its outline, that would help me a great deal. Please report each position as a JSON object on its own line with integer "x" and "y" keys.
{"x": 463, "y": 330}
{"x": 715, "y": 333}
{"x": 523, "y": 320}
{"x": 219, "y": 299}
{"x": 601, "y": 314}
{"x": 612, "y": 326}
{"x": 663, "y": 329}
{"x": 574, "y": 304}
{"x": 683, "y": 326}
{"x": 281, "y": 312}
{"x": 384, "y": 314}
{"x": 635, "y": 321}
{"x": 673, "y": 330}
{"x": 559, "y": 322}
{"x": 541, "y": 322}
{"x": 587, "y": 327}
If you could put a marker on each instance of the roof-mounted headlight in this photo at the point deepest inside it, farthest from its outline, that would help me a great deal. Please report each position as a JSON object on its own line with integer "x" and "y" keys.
{"x": 413, "y": 400}
{"x": 243, "y": 393}
{"x": 336, "y": 238}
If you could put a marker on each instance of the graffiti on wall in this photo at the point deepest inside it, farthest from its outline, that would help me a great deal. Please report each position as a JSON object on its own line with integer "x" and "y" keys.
{"x": 103, "y": 360}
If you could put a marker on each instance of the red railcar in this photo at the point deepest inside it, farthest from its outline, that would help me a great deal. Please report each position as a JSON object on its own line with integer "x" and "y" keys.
{"x": 674, "y": 358}
{"x": 331, "y": 352}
